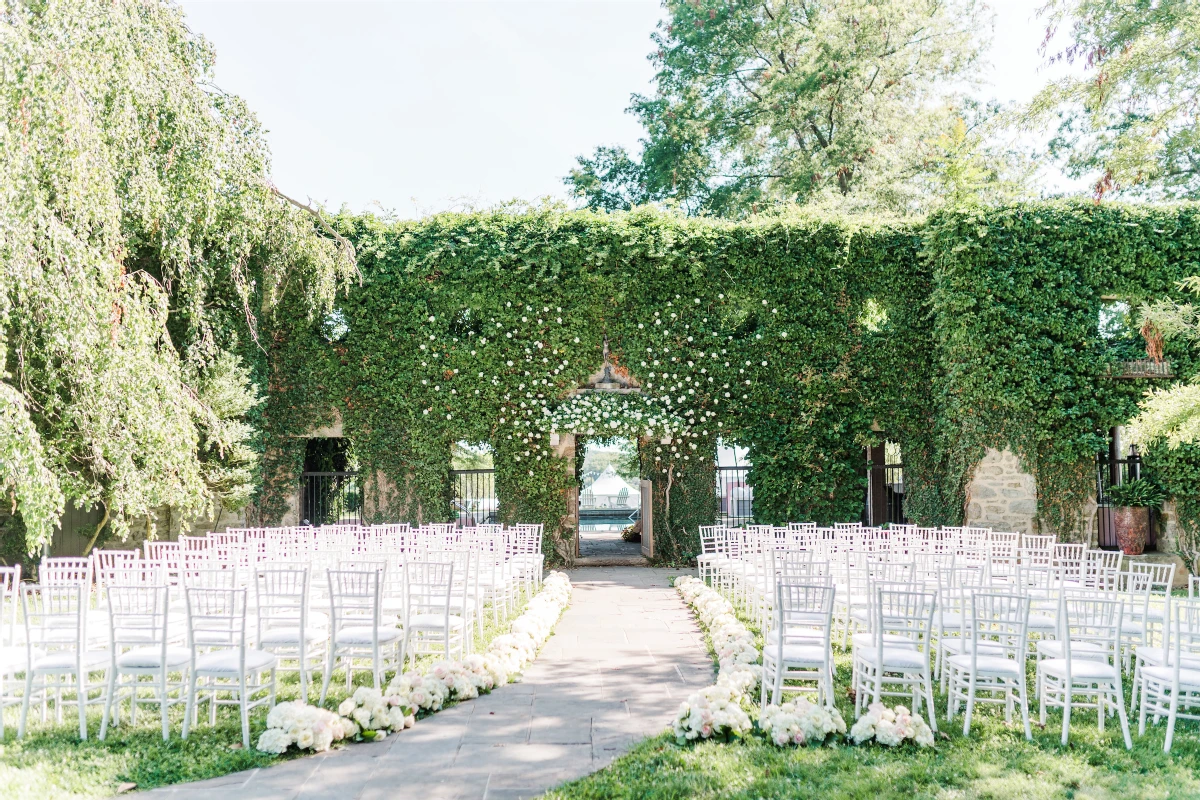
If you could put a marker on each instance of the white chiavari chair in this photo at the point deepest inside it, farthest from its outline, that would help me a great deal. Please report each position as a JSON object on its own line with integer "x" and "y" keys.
{"x": 141, "y": 645}
{"x": 994, "y": 661}
{"x": 1171, "y": 688}
{"x": 798, "y": 648}
{"x": 222, "y": 660}
{"x": 58, "y": 657}
{"x": 1093, "y": 671}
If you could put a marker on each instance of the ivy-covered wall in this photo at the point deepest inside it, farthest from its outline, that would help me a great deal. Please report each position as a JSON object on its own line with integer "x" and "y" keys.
{"x": 802, "y": 339}
{"x": 1022, "y": 362}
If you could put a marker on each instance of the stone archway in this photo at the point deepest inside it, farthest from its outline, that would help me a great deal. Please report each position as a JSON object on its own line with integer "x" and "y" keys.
{"x": 610, "y": 404}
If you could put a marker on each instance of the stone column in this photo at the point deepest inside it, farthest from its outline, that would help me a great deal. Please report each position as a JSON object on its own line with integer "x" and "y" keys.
{"x": 1001, "y": 495}
{"x": 562, "y": 445}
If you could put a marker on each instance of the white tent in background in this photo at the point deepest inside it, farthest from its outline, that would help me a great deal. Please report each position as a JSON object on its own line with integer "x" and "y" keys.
{"x": 610, "y": 490}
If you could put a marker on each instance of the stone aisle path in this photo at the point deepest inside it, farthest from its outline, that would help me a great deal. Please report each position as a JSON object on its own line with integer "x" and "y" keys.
{"x": 623, "y": 656}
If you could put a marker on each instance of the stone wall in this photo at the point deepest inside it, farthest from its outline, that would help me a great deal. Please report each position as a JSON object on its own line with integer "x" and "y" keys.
{"x": 1001, "y": 495}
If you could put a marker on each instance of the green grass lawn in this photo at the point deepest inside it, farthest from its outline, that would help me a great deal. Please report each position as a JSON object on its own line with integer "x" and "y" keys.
{"x": 51, "y": 761}
{"x": 995, "y": 761}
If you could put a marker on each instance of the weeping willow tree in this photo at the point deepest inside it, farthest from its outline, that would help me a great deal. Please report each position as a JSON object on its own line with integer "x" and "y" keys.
{"x": 141, "y": 242}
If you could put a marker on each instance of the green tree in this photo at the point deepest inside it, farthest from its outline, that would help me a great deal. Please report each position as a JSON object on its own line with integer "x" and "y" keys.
{"x": 1130, "y": 116}
{"x": 806, "y": 101}
{"x": 140, "y": 239}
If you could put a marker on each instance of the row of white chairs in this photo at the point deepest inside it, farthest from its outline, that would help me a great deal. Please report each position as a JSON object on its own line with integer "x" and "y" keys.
{"x": 216, "y": 626}
{"x": 959, "y": 618}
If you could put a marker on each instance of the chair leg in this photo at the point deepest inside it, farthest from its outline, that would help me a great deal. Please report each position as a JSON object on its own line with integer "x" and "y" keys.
{"x": 245, "y": 712}
{"x": 108, "y": 701}
{"x": 1066, "y": 713}
{"x": 928, "y": 680}
{"x": 81, "y": 701}
{"x": 328, "y": 672}
{"x": 25, "y": 704}
{"x": 1171, "y": 714}
{"x": 1119, "y": 701}
{"x": 189, "y": 708}
{"x": 970, "y": 705}
{"x": 163, "y": 704}
{"x": 1023, "y": 687}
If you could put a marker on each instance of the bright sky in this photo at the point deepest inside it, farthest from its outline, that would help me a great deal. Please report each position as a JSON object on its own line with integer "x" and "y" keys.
{"x": 419, "y": 107}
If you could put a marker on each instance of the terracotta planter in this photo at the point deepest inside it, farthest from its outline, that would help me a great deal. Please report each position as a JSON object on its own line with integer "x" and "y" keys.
{"x": 1133, "y": 528}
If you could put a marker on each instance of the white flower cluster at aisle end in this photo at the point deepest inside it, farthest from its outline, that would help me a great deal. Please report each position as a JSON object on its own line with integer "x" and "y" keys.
{"x": 371, "y": 714}
{"x": 722, "y": 709}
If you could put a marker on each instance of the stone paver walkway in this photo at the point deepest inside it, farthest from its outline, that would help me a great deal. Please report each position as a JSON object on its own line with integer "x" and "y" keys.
{"x": 623, "y": 656}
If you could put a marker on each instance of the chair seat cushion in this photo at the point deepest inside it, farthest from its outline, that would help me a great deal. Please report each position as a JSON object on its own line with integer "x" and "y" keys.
{"x": 14, "y": 658}
{"x": 225, "y": 662}
{"x": 1189, "y": 679}
{"x": 286, "y": 636}
{"x": 867, "y": 640}
{"x": 365, "y": 634}
{"x": 1053, "y": 648}
{"x": 1042, "y": 622}
{"x": 964, "y": 646}
{"x": 1153, "y": 656}
{"x": 64, "y": 660}
{"x": 989, "y": 664}
{"x": 800, "y": 654}
{"x": 433, "y": 621}
{"x": 894, "y": 658}
{"x": 151, "y": 657}
{"x": 1082, "y": 669}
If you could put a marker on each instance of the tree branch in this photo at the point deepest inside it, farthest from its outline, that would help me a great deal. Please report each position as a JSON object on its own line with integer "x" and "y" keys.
{"x": 317, "y": 215}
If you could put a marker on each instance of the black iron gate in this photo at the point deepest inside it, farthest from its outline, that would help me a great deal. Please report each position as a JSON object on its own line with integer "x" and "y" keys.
{"x": 885, "y": 490}
{"x": 1111, "y": 471}
{"x": 735, "y": 496}
{"x": 475, "y": 501}
{"x": 331, "y": 498}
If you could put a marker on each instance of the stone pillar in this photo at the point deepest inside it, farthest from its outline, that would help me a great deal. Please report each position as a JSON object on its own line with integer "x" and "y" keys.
{"x": 1001, "y": 495}
{"x": 562, "y": 445}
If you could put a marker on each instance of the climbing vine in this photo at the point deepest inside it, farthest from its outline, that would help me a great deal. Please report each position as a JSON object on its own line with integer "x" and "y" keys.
{"x": 801, "y": 339}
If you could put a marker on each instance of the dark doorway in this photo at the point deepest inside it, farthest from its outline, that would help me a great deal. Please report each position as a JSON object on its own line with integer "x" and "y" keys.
{"x": 330, "y": 491}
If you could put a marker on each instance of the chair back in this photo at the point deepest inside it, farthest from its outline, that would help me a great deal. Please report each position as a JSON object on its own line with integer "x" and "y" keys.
{"x": 55, "y": 616}
{"x": 280, "y": 598}
{"x": 138, "y": 616}
{"x": 65, "y": 571}
{"x": 803, "y": 613}
{"x": 903, "y": 612}
{"x": 428, "y": 587}
{"x": 1000, "y": 624}
{"x": 216, "y": 619}
{"x": 10, "y": 587}
{"x": 1087, "y": 618}
{"x": 355, "y": 598}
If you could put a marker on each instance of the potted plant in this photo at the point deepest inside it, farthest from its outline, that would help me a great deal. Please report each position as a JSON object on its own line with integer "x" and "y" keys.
{"x": 1131, "y": 503}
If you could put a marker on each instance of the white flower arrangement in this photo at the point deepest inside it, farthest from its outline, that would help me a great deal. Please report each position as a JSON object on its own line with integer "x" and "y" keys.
{"x": 891, "y": 727}
{"x": 715, "y": 711}
{"x": 611, "y": 414}
{"x": 720, "y": 709}
{"x": 307, "y": 727}
{"x": 800, "y": 722}
{"x": 500, "y": 663}
{"x": 372, "y": 714}
{"x": 375, "y": 715}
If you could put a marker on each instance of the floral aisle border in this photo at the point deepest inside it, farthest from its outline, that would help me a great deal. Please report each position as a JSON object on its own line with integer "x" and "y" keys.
{"x": 371, "y": 714}
{"x": 723, "y": 709}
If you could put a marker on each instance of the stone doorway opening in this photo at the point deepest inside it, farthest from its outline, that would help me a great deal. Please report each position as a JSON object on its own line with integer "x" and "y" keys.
{"x": 609, "y": 497}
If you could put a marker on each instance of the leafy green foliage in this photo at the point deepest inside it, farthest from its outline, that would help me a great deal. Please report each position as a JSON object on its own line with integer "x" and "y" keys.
{"x": 1140, "y": 493}
{"x": 800, "y": 338}
{"x": 479, "y": 328}
{"x": 141, "y": 240}
{"x": 1129, "y": 117}
{"x": 847, "y": 103}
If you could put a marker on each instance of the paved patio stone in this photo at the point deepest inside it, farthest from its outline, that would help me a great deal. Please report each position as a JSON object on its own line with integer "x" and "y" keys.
{"x": 623, "y": 655}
